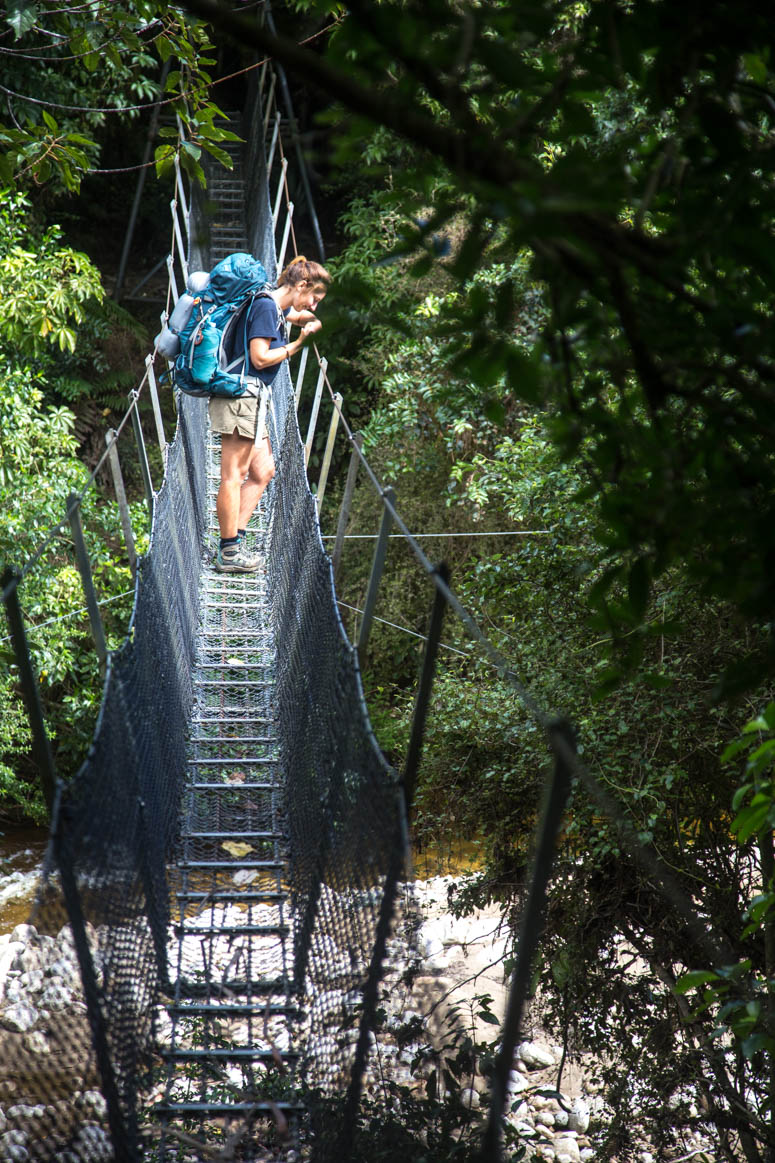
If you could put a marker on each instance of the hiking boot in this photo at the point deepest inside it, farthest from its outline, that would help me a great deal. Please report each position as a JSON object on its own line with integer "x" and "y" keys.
{"x": 252, "y": 543}
{"x": 237, "y": 561}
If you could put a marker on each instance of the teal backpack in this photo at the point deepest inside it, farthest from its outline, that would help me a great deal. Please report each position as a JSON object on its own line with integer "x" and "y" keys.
{"x": 201, "y": 368}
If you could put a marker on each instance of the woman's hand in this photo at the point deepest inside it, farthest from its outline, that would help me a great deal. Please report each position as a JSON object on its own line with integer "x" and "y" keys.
{"x": 311, "y": 327}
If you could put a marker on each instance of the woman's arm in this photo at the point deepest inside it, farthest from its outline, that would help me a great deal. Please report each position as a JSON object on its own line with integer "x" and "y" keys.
{"x": 261, "y": 355}
{"x": 299, "y": 317}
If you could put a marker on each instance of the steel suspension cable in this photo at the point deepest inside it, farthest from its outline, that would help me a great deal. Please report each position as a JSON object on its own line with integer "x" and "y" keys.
{"x": 644, "y": 855}
{"x": 499, "y": 661}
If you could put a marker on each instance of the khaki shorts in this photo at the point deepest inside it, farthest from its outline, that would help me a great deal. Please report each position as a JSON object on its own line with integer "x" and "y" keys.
{"x": 240, "y": 415}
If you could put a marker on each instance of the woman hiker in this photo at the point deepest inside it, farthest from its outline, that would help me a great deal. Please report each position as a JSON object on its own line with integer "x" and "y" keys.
{"x": 247, "y": 464}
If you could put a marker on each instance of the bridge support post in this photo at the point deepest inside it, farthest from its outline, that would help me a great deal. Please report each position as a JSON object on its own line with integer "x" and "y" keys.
{"x": 347, "y": 500}
{"x": 87, "y": 581}
{"x": 120, "y": 491}
{"x": 156, "y": 406}
{"x": 562, "y": 740}
{"x": 286, "y": 233}
{"x": 370, "y": 992}
{"x": 313, "y": 419}
{"x": 269, "y": 101}
{"x": 294, "y": 128}
{"x": 65, "y": 858}
{"x": 300, "y": 375}
{"x": 173, "y": 284}
{"x": 423, "y": 698}
{"x": 328, "y": 455}
{"x": 41, "y": 746}
{"x": 279, "y": 195}
{"x": 272, "y": 147}
{"x": 377, "y": 566}
{"x": 141, "y": 451}
{"x": 182, "y": 255}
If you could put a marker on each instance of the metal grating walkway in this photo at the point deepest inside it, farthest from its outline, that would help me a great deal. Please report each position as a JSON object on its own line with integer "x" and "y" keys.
{"x": 230, "y": 1056}
{"x": 229, "y": 1051}
{"x": 226, "y": 196}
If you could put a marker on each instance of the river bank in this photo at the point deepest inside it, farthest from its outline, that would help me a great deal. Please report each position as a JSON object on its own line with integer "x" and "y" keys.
{"x": 444, "y": 982}
{"x": 21, "y": 858}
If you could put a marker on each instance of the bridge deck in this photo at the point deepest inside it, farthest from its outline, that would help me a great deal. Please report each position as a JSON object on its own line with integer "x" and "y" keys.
{"x": 230, "y": 1047}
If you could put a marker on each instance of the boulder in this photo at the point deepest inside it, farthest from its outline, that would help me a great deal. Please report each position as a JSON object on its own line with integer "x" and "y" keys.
{"x": 19, "y": 1017}
{"x": 566, "y": 1149}
{"x": 578, "y": 1116}
{"x": 535, "y": 1055}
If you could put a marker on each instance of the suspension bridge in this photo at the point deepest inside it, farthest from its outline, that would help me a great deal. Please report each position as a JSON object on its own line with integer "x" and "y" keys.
{"x": 229, "y": 857}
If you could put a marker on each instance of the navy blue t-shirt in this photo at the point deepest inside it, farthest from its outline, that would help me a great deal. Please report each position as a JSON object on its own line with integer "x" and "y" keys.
{"x": 265, "y": 321}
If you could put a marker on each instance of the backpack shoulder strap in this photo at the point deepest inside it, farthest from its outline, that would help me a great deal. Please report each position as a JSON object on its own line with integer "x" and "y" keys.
{"x": 263, "y": 294}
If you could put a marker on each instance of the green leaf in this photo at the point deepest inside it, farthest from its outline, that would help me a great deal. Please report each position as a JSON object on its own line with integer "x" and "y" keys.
{"x": 219, "y": 155}
{"x": 610, "y": 680}
{"x": 165, "y": 48}
{"x": 755, "y": 1043}
{"x": 494, "y": 411}
{"x": 734, "y": 749}
{"x": 757, "y": 69}
{"x": 190, "y": 164}
{"x": 21, "y": 16}
{"x": 638, "y": 586}
{"x": 657, "y": 682}
{"x": 751, "y": 819}
{"x": 164, "y": 157}
{"x": 694, "y": 979}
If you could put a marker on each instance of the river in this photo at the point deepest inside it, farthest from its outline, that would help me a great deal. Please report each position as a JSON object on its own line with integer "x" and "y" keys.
{"x": 22, "y": 851}
{"x": 21, "y": 857}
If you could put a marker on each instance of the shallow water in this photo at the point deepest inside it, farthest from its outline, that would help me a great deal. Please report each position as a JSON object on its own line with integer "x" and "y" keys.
{"x": 453, "y": 858}
{"x": 22, "y": 851}
{"x": 21, "y": 859}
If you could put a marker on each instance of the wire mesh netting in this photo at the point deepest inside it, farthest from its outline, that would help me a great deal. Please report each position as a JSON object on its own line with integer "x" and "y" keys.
{"x": 344, "y": 809}
{"x": 208, "y": 936}
{"x": 85, "y": 991}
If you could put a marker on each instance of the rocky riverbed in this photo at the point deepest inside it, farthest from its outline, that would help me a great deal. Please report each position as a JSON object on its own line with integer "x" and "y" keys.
{"x": 51, "y": 1107}
{"x": 555, "y": 1106}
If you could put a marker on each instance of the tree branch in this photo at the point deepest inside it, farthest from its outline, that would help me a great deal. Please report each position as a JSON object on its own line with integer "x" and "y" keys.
{"x": 467, "y": 155}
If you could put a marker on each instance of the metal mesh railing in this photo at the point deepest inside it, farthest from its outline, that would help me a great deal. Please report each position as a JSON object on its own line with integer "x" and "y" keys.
{"x": 346, "y": 825}
{"x": 103, "y": 951}
{"x": 344, "y": 807}
{"x": 112, "y": 831}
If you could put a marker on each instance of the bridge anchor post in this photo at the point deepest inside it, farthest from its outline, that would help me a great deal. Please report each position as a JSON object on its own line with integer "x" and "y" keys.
{"x": 329, "y": 453}
{"x": 120, "y": 491}
{"x": 422, "y": 701}
{"x": 562, "y": 741}
{"x": 377, "y": 566}
{"x": 347, "y": 500}
{"x": 41, "y": 746}
{"x": 87, "y": 581}
{"x": 141, "y": 451}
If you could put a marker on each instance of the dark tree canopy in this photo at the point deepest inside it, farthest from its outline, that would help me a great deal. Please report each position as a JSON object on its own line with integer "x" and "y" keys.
{"x": 629, "y": 148}
{"x": 613, "y": 161}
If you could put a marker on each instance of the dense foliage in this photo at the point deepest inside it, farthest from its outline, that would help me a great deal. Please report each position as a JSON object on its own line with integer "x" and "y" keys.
{"x": 69, "y": 69}
{"x": 555, "y": 312}
{"x": 71, "y": 75}
{"x": 588, "y": 191}
{"x": 60, "y": 290}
